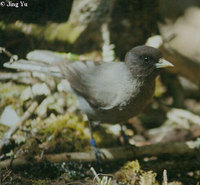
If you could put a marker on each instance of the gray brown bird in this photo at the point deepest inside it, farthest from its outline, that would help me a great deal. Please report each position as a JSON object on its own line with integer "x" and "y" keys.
{"x": 114, "y": 92}
{"x": 107, "y": 92}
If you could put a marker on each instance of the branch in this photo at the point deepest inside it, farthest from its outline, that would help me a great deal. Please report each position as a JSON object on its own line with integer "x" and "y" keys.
{"x": 112, "y": 154}
{"x": 183, "y": 65}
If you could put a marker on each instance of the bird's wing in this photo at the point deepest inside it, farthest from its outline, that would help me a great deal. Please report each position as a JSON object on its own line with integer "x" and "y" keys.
{"x": 104, "y": 86}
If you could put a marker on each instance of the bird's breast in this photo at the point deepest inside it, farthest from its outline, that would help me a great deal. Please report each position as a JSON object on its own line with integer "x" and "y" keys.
{"x": 129, "y": 107}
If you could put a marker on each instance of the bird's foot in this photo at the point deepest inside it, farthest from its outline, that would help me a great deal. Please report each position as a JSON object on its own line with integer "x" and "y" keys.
{"x": 100, "y": 156}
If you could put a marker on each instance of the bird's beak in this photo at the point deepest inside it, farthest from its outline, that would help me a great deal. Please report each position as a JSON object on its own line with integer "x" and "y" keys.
{"x": 162, "y": 63}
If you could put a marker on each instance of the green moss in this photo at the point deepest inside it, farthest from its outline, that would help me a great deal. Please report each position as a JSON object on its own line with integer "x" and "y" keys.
{"x": 160, "y": 88}
{"x": 69, "y": 56}
{"x": 148, "y": 177}
{"x": 63, "y": 134}
{"x": 2, "y": 25}
{"x": 9, "y": 95}
{"x": 131, "y": 173}
{"x": 63, "y": 32}
{"x": 94, "y": 55}
{"x": 133, "y": 165}
{"x": 28, "y": 29}
{"x": 3, "y": 128}
{"x": 31, "y": 148}
{"x": 11, "y": 89}
{"x": 50, "y": 32}
{"x": 39, "y": 182}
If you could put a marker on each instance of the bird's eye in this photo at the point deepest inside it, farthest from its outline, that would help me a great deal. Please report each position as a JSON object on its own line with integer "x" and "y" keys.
{"x": 146, "y": 59}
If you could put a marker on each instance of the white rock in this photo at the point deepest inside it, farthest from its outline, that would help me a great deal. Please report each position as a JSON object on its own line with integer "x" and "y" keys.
{"x": 154, "y": 41}
{"x": 64, "y": 86}
{"x": 40, "y": 89}
{"x": 114, "y": 129}
{"x": 9, "y": 117}
{"x": 42, "y": 108}
{"x": 26, "y": 94}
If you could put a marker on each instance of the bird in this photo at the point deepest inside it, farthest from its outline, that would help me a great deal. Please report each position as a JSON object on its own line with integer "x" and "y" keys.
{"x": 116, "y": 91}
{"x": 109, "y": 92}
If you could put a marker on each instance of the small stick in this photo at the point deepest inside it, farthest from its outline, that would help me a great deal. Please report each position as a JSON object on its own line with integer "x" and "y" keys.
{"x": 165, "y": 177}
{"x": 7, "y": 136}
{"x": 95, "y": 174}
{"x": 12, "y": 57}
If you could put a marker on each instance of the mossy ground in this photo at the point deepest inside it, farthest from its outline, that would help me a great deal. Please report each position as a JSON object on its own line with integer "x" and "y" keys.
{"x": 56, "y": 132}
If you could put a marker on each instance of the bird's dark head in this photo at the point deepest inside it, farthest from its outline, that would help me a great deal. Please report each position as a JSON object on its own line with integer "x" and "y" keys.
{"x": 145, "y": 60}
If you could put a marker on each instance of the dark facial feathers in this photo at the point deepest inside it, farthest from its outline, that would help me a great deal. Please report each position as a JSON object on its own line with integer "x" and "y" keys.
{"x": 141, "y": 60}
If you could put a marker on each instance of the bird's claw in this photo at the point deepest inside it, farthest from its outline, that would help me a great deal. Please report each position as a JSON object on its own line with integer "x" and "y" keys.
{"x": 100, "y": 156}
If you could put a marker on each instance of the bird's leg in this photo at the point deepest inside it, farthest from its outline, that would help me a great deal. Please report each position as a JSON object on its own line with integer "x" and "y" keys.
{"x": 123, "y": 138}
{"x": 98, "y": 153}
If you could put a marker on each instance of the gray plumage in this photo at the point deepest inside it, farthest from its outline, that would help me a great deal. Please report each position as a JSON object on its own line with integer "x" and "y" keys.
{"x": 107, "y": 92}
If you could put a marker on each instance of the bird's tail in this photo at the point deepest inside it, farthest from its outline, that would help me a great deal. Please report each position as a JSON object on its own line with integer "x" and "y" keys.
{"x": 39, "y": 61}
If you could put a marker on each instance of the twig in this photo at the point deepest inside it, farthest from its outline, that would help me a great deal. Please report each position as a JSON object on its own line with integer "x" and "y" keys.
{"x": 107, "y": 49}
{"x": 7, "y": 136}
{"x": 112, "y": 154}
{"x": 12, "y": 57}
{"x": 95, "y": 174}
{"x": 165, "y": 177}
{"x": 183, "y": 65}
{"x": 6, "y": 175}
